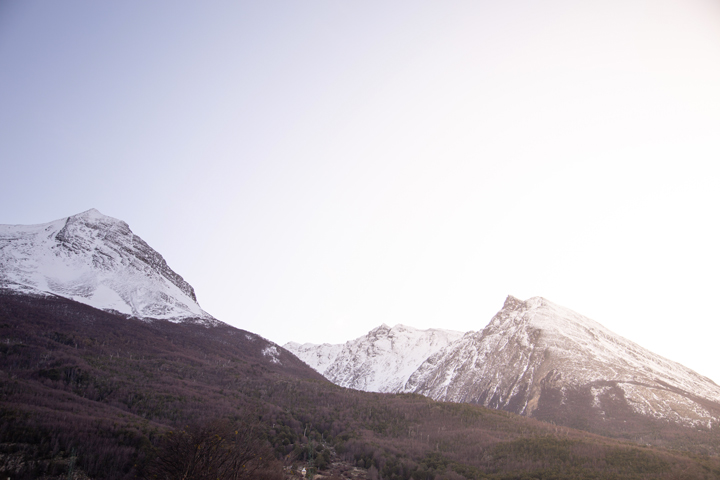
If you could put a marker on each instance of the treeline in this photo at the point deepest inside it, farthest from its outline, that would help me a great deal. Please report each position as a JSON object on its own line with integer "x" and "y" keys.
{"x": 84, "y": 392}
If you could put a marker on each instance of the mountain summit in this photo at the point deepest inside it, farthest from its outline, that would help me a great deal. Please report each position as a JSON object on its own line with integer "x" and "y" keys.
{"x": 537, "y": 358}
{"x": 97, "y": 260}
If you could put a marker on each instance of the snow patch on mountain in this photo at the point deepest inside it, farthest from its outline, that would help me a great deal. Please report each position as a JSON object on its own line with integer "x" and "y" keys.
{"x": 273, "y": 353}
{"x": 97, "y": 260}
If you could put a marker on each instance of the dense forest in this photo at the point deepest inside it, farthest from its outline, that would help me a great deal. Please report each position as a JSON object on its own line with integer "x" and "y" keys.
{"x": 89, "y": 394}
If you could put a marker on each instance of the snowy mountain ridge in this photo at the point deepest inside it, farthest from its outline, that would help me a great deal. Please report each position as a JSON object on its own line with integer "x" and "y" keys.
{"x": 534, "y": 358}
{"x": 97, "y": 260}
{"x": 381, "y": 361}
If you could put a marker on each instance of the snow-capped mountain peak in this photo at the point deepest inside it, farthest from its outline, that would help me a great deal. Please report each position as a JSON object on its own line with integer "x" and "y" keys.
{"x": 94, "y": 259}
{"x": 380, "y": 361}
{"x": 534, "y": 355}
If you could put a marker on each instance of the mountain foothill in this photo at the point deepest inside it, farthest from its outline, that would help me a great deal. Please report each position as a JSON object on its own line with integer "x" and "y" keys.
{"x": 110, "y": 369}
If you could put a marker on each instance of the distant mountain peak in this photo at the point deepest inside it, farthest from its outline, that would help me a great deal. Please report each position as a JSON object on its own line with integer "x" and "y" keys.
{"x": 94, "y": 219}
{"x": 94, "y": 259}
{"x": 380, "y": 361}
{"x": 94, "y": 214}
{"x": 512, "y": 303}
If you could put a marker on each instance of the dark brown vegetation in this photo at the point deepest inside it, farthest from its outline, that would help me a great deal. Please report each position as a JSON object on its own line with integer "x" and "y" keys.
{"x": 574, "y": 408}
{"x": 214, "y": 450}
{"x": 85, "y": 392}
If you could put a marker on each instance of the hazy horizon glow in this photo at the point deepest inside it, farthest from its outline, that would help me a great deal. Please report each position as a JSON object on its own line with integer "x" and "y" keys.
{"x": 317, "y": 169}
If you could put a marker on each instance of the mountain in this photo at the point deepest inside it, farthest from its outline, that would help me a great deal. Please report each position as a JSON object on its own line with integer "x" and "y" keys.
{"x": 538, "y": 359}
{"x": 97, "y": 260}
{"x": 119, "y": 392}
{"x": 381, "y": 361}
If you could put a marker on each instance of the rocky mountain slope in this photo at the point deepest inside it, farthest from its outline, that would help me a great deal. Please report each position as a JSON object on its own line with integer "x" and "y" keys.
{"x": 538, "y": 359}
{"x": 97, "y": 260}
{"x": 381, "y": 361}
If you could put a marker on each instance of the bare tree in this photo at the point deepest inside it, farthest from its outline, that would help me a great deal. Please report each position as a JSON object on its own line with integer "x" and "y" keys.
{"x": 212, "y": 451}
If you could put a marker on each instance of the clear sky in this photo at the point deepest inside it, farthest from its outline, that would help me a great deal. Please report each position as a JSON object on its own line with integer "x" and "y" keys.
{"x": 317, "y": 168}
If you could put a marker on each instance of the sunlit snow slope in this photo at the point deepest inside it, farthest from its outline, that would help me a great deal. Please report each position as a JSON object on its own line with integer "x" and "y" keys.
{"x": 97, "y": 260}
{"x": 380, "y": 361}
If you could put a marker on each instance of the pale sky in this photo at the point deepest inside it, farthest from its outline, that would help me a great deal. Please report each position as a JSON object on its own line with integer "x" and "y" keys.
{"x": 317, "y": 168}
